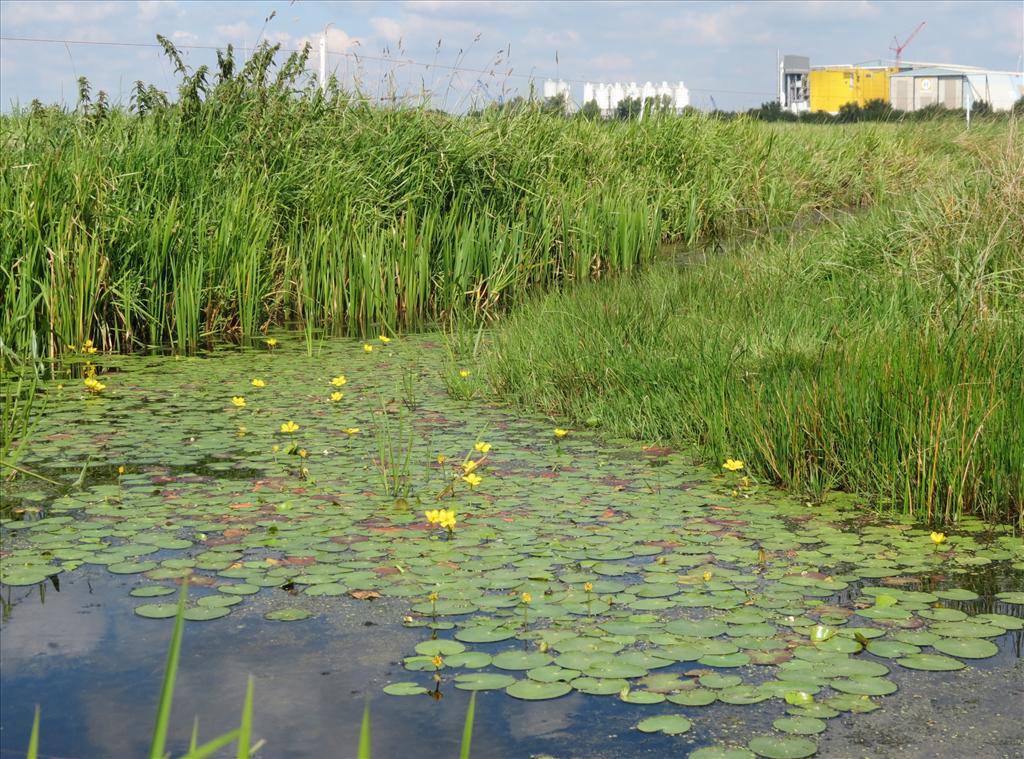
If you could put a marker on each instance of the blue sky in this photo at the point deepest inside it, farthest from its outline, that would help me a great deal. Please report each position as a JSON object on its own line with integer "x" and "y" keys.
{"x": 724, "y": 50}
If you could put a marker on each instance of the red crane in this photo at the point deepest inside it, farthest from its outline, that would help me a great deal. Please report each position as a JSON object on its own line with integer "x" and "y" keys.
{"x": 898, "y": 48}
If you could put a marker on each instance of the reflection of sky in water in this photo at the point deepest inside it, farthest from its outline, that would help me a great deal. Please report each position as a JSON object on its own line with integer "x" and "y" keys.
{"x": 95, "y": 669}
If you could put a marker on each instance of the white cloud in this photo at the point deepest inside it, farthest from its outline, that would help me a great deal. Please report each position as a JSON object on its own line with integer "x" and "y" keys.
{"x": 388, "y": 29}
{"x": 468, "y": 7}
{"x": 68, "y": 13}
{"x": 185, "y": 38}
{"x": 151, "y": 9}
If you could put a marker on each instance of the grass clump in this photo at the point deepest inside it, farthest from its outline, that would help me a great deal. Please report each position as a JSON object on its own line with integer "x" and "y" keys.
{"x": 882, "y": 354}
{"x": 255, "y": 199}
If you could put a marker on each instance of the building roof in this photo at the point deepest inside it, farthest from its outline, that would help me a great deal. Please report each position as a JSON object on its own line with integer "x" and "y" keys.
{"x": 944, "y": 71}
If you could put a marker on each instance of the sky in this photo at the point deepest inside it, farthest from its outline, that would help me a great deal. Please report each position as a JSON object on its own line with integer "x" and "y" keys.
{"x": 468, "y": 52}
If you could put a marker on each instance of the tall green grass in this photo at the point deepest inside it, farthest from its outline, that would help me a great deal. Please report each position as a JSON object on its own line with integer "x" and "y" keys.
{"x": 255, "y": 200}
{"x": 881, "y": 354}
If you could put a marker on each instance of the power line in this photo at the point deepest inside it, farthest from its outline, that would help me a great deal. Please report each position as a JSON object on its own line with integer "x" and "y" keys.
{"x": 355, "y": 56}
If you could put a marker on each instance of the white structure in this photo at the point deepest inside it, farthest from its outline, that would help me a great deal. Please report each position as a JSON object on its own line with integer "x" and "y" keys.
{"x": 554, "y": 89}
{"x": 955, "y": 87}
{"x": 794, "y": 92}
{"x": 608, "y": 96}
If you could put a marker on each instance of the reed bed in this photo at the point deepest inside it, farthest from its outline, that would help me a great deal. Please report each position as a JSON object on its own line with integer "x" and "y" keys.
{"x": 881, "y": 354}
{"x": 256, "y": 200}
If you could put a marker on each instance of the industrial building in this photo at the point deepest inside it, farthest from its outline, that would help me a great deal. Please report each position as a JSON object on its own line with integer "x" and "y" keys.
{"x": 608, "y": 96}
{"x": 957, "y": 88}
{"x": 907, "y": 87}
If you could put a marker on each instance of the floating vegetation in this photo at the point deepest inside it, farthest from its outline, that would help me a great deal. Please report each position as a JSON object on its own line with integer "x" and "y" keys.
{"x": 593, "y": 568}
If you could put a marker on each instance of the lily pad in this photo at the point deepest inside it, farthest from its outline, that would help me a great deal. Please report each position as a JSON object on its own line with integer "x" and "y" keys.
{"x": 531, "y": 690}
{"x": 520, "y": 660}
{"x": 157, "y": 611}
{"x": 966, "y": 648}
{"x": 439, "y": 647}
{"x": 790, "y": 747}
{"x": 670, "y": 724}
{"x": 931, "y": 662}
{"x": 287, "y": 615}
{"x": 799, "y": 725}
{"x": 405, "y": 689}
{"x": 483, "y": 681}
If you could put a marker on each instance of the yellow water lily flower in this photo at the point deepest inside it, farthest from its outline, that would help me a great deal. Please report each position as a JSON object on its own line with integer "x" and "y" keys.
{"x": 367, "y": 348}
{"x": 242, "y": 430}
{"x": 441, "y": 458}
{"x": 707, "y": 575}
{"x": 437, "y": 661}
{"x": 303, "y": 453}
{"x": 88, "y": 347}
{"x": 238, "y": 401}
{"x": 482, "y": 447}
{"x": 275, "y": 448}
{"x": 432, "y": 597}
{"x": 448, "y": 521}
{"x": 733, "y": 465}
{"x": 463, "y": 373}
{"x": 351, "y": 430}
{"x": 588, "y": 587}
{"x": 560, "y": 433}
{"x": 384, "y": 339}
{"x": 271, "y": 342}
{"x": 526, "y": 598}
{"x": 93, "y": 385}
{"x": 257, "y": 382}
{"x": 336, "y": 396}
{"x": 470, "y": 466}
{"x": 938, "y": 537}
{"x": 472, "y": 479}
{"x": 120, "y": 470}
{"x": 339, "y": 380}
{"x": 289, "y": 427}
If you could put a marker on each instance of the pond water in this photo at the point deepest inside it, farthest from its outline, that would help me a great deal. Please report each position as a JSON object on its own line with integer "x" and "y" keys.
{"x": 653, "y": 587}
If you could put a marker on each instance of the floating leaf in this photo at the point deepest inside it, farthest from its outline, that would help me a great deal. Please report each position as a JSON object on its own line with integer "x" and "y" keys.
{"x": 670, "y": 724}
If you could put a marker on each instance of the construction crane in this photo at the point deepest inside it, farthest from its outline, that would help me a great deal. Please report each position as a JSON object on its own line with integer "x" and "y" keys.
{"x": 899, "y": 48}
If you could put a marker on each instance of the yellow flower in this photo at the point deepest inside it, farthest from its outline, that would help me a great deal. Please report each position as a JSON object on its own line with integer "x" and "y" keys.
{"x": 238, "y": 400}
{"x": 463, "y": 373}
{"x": 469, "y": 466}
{"x": 275, "y": 448}
{"x": 242, "y": 430}
{"x": 339, "y": 380}
{"x": 93, "y": 385}
{"x": 351, "y": 430}
{"x": 289, "y": 427}
{"x": 257, "y": 382}
{"x": 87, "y": 347}
{"x": 938, "y": 537}
{"x": 432, "y": 597}
{"x": 560, "y": 433}
{"x": 120, "y": 470}
{"x": 526, "y": 598}
{"x": 707, "y": 575}
{"x": 336, "y": 396}
{"x": 588, "y": 587}
{"x": 733, "y": 465}
{"x": 303, "y": 453}
{"x": 482, "y": 447}
{"x": 437, "y": 661}
{"x": 271, "y": 342}
{"x": 441, "y": 458}
{"x": 384, "y": 339}
{"x": 447, "y": 520}
{"x": 367, "y": 348}
{"x": 472, "y": 479}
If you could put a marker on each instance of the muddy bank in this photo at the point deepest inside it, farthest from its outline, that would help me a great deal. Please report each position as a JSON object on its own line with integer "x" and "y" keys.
{"x": 972, "y": 713}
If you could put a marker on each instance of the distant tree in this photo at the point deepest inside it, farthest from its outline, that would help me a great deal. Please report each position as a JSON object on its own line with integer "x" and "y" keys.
{"x": 628, "y": 108}
{"x": 556, "y": 105}
{"x": 878, "y": 110}
{"x": 771, "y": 110}
{"x": 590, "y": 111}
{"x": 1018, "y": 108}
{"x": 981, "y": 108}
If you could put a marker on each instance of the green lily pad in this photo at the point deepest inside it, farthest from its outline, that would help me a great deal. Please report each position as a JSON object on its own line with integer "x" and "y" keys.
{"x": 157, "y": 611}
{"x": 864, "y": 686}
{"x": 287, "y": 615}
{"x": 439, "y": 647}
{"x": 721, "y": 752}
{"x": 694, "y": 697}
{"x": 670, "y": 724}
{"x": 966, "y": 648}
{"x": 1014, "y": 597}
{"x": 717, "y": 681}
{"x": 151, "y": 591}
{"x": 790, "y": 747}
{"x": 596, "y": 686}
{"x": 520, "y": 660}
{"x": 931, "y": 662}
{"x": 799, "y": 725}
{"x": 206, "y": 613}
{"x": 484, "y": 634}
{"x": 405, "y": 689}
{"x": 532, "y": 690}
{"x": 483, "y": 681}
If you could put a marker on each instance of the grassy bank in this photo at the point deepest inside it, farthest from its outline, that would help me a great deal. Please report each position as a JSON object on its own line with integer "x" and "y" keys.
{"x": 256, "y": 200}
{"x": 883, "y": 354}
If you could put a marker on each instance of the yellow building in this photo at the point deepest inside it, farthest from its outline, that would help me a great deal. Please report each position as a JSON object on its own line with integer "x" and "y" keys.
{"x": 835, "y": 86}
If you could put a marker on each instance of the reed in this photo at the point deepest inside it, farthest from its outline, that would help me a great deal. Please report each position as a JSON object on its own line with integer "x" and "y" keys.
{"x": 881, "y": 354}
{"x": 257, "y": 200}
